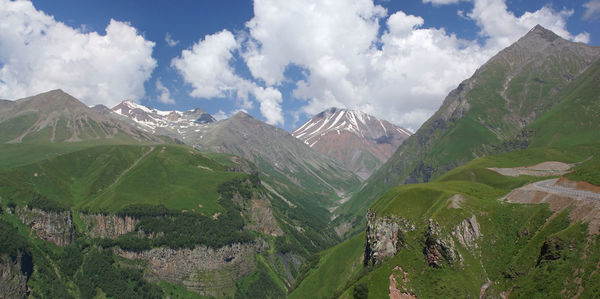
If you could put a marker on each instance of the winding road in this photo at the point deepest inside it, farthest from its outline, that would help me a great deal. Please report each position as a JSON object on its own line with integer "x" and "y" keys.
{"x": 550, "y": 187}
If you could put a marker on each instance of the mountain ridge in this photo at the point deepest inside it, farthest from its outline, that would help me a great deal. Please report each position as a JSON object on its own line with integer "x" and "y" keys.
{"x": 355, "y": 139}
{"x": 509, "y": 91}
{"x": 56, "y": 116}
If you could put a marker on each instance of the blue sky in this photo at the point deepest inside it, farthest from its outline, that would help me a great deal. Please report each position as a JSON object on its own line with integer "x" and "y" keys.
{"x": 281, "y": 61}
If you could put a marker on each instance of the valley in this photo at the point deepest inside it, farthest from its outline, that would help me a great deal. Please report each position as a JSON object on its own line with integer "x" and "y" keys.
{"x": 496, "y": 195}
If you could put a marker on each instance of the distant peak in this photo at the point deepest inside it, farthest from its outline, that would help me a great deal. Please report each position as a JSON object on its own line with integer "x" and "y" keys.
{"x": 540, "y": 33}
{"x": 57, "y": 91}
{"x": 242, "y": 114}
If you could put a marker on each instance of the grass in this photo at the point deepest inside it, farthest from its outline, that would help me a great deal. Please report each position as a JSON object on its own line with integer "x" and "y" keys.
{"x": 510, "y": 251}
{"x": 109, "y": 178}
{"x": 338, "y": 265}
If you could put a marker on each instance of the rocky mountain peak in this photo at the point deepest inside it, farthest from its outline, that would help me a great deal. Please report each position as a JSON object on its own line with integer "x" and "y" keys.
{"x": 359, "y": 141}
{"x": 151, "y": 119}
{"x": 538, "y": 38}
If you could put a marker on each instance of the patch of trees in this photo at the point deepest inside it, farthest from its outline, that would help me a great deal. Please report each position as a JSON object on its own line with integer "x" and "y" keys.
{"x": 11, "y": 242}
{"x": 177, "y": 229}
{"x": 99, "y": 270}
{"x": 43, "y": 203}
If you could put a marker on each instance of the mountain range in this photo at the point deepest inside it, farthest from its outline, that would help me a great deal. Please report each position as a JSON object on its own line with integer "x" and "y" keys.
{"x": 488, "y": 113}
{"x": 495, "y": 196}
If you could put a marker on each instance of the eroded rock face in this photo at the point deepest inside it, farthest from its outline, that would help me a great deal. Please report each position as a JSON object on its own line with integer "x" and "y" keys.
{"x": 208, "y": 271}
{"x": 263, "y": 220}
{"x": 467, "y": 233}
{"x": 55, "y": 227}
{"x": 13, "y": 281}
{"x": 385, "y": 236}
{"x": 108, "y": 226}
{"x": 439, "y": 248}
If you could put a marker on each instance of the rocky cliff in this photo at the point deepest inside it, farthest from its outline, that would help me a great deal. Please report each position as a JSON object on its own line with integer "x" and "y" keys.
{"x": 385, "y": 236}
{"x": 208, "y": 271}
{"x": 13, "y": 276}
{"x": 108, "y": 226}
{"x": 55, "y": 227}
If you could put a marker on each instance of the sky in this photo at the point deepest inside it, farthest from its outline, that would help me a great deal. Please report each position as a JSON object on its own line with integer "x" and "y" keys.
{"x": 280, "y": 61}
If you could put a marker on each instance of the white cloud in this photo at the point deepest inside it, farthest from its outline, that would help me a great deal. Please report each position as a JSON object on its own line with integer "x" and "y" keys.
{"x": 401, "y": 75}
{"x": 206, "y": 67}
{"x": 165, "y": 94}
{"x": 38, "y": 54}
{"x": 592, "y": 9}
{"x": 441, "y": 2}
{"x": 502, "y": 27}
{"x": 220, "y": 115}
{"x": 270, "y": 104}
{"x": 170, "y": 41}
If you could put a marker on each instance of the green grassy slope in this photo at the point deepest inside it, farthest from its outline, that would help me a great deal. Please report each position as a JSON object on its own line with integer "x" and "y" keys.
{"x": 336, "y": 267}
{"x": 487, "y": 112}
{"x": 509, "y": 252}
{"x": 111, "y": 177}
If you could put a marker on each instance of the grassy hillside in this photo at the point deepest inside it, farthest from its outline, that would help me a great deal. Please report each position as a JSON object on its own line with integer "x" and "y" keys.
{"x": 512, "y": 251}
{"x": 109, "y": 178}
{"x": 538, "y": 91}
{"x": 329, "y": 272}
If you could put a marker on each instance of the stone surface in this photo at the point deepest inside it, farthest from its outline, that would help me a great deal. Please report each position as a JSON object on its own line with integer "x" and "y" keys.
{"x": 439, "y": 248}
{"x": 13, "y": 282}
{"x": 205, "y": 270}
{"x": 108, "y": 226}
{"x": 467, "y": 233}
{"x": 55, "y": 227}
{"x": 385, "y": 236}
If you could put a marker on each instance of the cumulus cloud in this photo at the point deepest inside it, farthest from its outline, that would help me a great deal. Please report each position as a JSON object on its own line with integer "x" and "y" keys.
{"x": 207, "y": 68}
{"x": 38, "y": 54}
{"x": 592, "y": 10}
{"x": 170, "y": 41}
{"x": 401, "y": 75}
{"x": 165, "y": 94}
{"x": 441, "y": 2}
{"x": 220, "y": 115}
{"x": 502, "y": 27}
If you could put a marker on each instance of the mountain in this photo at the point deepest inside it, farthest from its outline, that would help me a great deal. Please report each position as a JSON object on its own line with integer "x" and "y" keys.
{"x": 520, "y": 220}
{"x": 308, "y": 181}
{"x": 304, "y": 177}
{"x": 202, "y": 220}
{"x": 56, "y": 116}
{"x": 360, "y": 142}
{"x": 154, "y": 119}
{"x": 485, "y": 113}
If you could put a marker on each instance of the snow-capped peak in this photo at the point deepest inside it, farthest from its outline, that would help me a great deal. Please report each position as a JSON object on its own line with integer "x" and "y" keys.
{"x": 345, "y": 135}
{"x": 151, "y": 119}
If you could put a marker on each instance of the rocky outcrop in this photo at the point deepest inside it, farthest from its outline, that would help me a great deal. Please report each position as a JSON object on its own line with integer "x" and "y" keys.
{"x": 439, "y": 248}
{"x": 467, "y": 233}
{"x": 263, "y": 220}
{"x": 385, "y": 236}
{"x": 55, "y": 227}
{"x": 13, "y": 276}
{"x": 402, "y": 293}
{"x": 208, "y": 271}
{"x": 108, "y": 226}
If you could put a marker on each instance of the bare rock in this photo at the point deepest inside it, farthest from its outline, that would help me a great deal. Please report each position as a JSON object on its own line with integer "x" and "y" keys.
{"x": 108, "y": 226}
{"x": 385, "y": 236}
{"x": 205, "y": 270}
{"x": 55, "y": 227}
{"x": 467, "y": 233}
